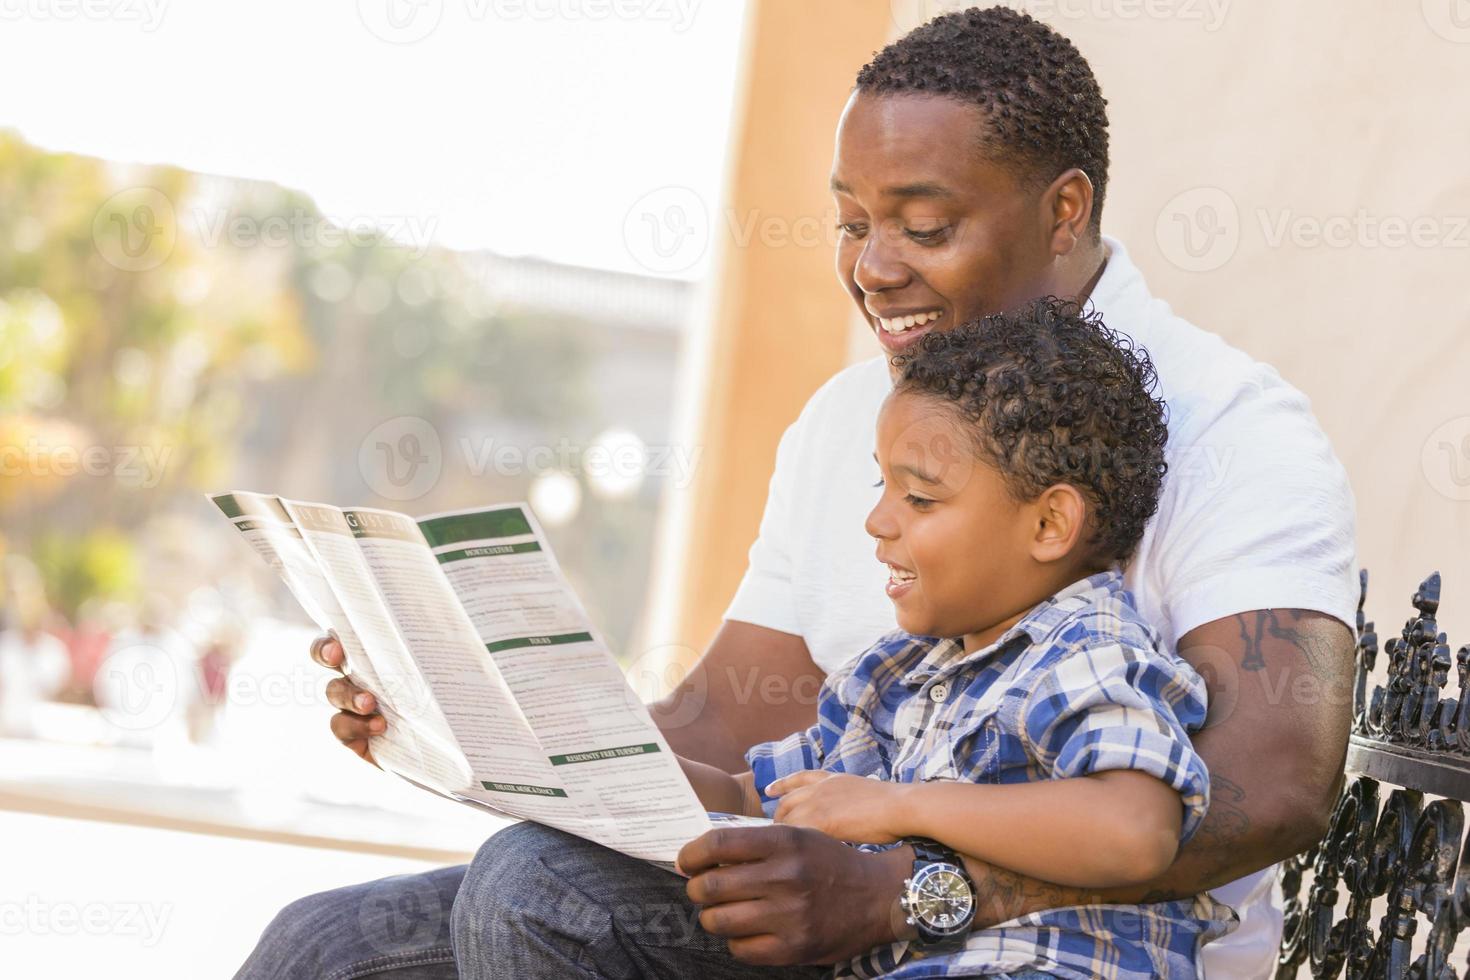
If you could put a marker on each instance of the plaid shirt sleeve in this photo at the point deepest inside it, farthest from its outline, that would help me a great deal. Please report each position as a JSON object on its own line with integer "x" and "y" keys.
{"x": 1114, "y": 706}
{"x": 769, "y": 761}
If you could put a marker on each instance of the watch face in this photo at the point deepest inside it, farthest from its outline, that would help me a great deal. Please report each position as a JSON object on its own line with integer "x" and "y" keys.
{"x": 941, "y": 899}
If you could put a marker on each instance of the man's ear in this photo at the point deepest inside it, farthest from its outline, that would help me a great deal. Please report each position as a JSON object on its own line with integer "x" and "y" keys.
{"x": 1059, "y": 522}
{"x": 1067, "y": 208}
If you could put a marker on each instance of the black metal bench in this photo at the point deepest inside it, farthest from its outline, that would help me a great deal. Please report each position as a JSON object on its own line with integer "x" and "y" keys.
{"x": 1397, "y": 834}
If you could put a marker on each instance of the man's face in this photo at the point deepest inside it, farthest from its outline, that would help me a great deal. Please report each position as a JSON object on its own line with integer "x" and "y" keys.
{"x": 931, "y": 229}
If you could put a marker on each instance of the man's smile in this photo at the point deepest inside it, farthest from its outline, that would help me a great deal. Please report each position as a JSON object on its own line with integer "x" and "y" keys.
{"x": 898, "y": 330}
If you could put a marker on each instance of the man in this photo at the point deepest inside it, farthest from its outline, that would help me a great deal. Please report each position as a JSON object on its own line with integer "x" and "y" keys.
{"x": 970, "y": 173}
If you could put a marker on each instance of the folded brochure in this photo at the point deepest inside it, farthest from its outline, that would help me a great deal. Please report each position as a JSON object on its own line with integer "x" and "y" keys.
{"x": 497, "y": 690}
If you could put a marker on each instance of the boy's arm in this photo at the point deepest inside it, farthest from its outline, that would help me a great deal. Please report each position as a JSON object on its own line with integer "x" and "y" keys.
{"x": 1108, "y": 726}
{"x": 1105, "y": 830}
{"x": 721, "y": 792}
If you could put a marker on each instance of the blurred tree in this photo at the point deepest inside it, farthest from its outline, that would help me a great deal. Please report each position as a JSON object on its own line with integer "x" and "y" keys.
{"x": 120, "y": 364}
{"x": 164, "y": 333}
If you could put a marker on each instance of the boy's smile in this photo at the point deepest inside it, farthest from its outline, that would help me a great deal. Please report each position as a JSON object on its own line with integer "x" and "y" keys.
{"x": 947, "y": 527}
{"x": 965, "y": 557}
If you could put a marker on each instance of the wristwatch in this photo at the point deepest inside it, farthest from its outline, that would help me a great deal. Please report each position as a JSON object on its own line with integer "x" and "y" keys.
{"x": 939, "y": 899}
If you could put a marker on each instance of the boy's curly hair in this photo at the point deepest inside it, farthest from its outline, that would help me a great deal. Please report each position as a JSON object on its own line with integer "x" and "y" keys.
{"x": 1056, "y": 397}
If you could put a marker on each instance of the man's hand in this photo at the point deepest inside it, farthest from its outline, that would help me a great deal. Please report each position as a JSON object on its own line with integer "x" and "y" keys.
{"x": 784, "y": 896}
{"x": 850, "y": 808}
{"x": 357, "y": 716}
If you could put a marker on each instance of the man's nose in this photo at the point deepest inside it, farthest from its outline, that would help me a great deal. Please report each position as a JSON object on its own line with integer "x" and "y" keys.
{"x": 878, "y": 266}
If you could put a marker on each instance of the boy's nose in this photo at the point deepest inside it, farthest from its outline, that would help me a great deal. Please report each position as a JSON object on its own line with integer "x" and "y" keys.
{"x": 878, "y": 524}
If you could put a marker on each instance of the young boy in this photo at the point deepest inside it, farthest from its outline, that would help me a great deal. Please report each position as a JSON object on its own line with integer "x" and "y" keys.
{"x": 1024, "y": 714}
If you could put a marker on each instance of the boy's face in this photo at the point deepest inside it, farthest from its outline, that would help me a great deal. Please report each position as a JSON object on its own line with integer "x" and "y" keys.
{"x": 956, "y": 543}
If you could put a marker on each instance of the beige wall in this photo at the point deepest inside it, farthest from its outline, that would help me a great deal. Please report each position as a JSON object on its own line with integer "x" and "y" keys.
{"x": 1289, "y": 115}
{"x": 1318, "y": 138}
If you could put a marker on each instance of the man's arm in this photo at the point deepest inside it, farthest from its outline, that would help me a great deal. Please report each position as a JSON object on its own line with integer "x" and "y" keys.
{"x": 1280, "y": 689}
{"x": 721, "y": 792}
{"x": 1280, "y": 684}
{"x": 752, "y": 685}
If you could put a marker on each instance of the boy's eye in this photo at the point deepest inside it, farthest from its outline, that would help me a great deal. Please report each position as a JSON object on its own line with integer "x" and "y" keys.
{"x": 918, "y": 503}
{"x": 853, "y": 229}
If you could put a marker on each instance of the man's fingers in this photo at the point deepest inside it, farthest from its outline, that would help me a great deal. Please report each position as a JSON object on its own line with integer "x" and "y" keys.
{"x": 763, "y": 950}
{"x": 741, "y": 919}
{"x": 733, "y": 883}
{"x": 344, "y": 695}
{"x": 730, "y": 845}
{"x": 326, "y": 651}
{"x": 350, "y": 728}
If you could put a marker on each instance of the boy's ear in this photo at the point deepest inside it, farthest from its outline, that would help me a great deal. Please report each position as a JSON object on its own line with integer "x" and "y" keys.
{"x": 1060, "y": 517}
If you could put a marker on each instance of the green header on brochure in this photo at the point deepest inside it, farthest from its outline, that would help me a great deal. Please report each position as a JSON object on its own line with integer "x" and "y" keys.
{"x": 602, "y": 755}
{"x": 227, "y": 503}
{"x": 488, "y": 551}
{"x": 538, "y": 641}
{"x": 507, "y": 522}
{"x": 251, "y": 524}
{"x": 523, "y": 789}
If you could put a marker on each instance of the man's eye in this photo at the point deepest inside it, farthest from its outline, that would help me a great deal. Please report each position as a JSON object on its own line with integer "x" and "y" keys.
{"x": 879, "y": 483}
{"x": 928, "y": 237}
{"x": 853, "y": 229}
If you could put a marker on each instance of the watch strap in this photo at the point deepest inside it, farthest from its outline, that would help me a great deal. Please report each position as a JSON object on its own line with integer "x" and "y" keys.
{"x": 928, "y": 852}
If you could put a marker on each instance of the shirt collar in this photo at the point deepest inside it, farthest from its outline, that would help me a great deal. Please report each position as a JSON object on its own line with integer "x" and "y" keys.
{"x": 947, "y": 655}
{"x": 1121, "y": 294}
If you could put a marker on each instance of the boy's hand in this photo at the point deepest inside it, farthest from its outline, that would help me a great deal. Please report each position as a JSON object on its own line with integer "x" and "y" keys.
{"x": 850, "y": 808}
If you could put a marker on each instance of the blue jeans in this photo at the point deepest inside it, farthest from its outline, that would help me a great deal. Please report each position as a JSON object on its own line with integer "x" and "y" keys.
{"x": 536, "y": 903}
{"x": 396, "y": 927}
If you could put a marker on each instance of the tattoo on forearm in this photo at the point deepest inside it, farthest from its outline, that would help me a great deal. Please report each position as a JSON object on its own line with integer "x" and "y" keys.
{"x": 1216, "y": 845}
{"x": 1002, "y": 894}
{"x": 1214, "y": 855}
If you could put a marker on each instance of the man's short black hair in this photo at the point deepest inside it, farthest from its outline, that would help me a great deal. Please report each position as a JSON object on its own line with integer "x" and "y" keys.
{"x": 1054, "y": 396}
{"x": 1044, "y": 109}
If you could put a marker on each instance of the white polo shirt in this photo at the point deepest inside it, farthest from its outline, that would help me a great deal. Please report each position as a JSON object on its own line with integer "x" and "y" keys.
{"x": 1255, "y": 513}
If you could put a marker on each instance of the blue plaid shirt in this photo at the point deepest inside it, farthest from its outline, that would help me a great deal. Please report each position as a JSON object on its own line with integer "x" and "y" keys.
{"x": 1078, "y": 686}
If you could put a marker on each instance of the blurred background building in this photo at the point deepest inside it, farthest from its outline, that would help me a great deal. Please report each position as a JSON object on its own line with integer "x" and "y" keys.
{"x": 461, "y": 253}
